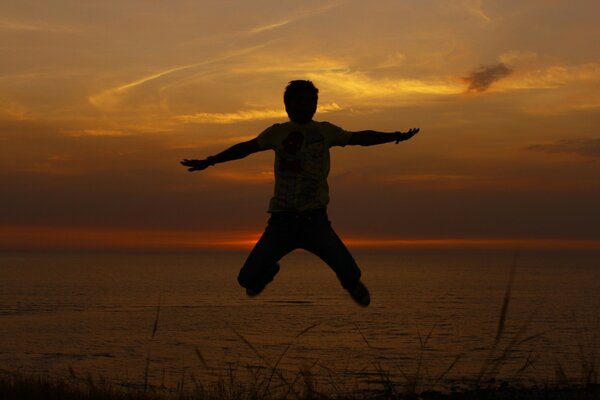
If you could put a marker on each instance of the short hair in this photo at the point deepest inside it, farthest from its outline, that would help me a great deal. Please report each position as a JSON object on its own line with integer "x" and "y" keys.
{"x": 298, "y": 89}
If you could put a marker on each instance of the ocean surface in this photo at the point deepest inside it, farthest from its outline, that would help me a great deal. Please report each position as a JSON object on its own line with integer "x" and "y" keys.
{"x": 183, "y": 317}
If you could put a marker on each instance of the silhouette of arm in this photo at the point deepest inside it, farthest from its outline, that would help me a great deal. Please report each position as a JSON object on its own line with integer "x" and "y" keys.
{"x": 370, "y": 138}
{"x": 235, "y": 152}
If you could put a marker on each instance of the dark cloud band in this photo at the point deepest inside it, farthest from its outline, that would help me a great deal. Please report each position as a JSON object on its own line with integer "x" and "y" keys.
{"x": 588, "y": 147}
{"x": 481, "y": 79}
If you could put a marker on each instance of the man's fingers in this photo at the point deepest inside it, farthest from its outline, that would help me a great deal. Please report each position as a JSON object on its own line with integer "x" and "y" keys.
{"x": 411, "y": 132}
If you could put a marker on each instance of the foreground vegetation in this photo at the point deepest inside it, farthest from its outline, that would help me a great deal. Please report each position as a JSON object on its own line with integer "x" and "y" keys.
{"x": 19, "y": 387}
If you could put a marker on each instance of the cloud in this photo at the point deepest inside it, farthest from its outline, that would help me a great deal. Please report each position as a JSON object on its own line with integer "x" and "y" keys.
{"x": 109, "y": 98}
{"x": 555, "y": 76}
{"x": 393, "y": 60}
{"x": 437, "y": 181}
{"x": 78, "y": 237}
{"x": 232, "y": 117}
{"x": 280, "y": 65}
{"x": 269, "y": 27}
{"x": 555, "y": 89}
{"x": 587, "y": 147}
{"x": 98, "y": 132}
{"x": 481, "y": 79}
{"x": 244, "y": 176}
{"x": 245, "y": 115}
{"x": 360, "y": 84}
{"x": 44, "y": 237}
{"x": 300, "y": 16}
{"x": 8, "y": 25}
{"x": 475, "y": 8}
{"x": 14, "y": 110}
{"x": 518, "y": 57}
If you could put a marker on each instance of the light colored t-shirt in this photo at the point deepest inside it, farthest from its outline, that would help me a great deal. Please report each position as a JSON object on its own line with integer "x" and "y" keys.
{"x": 301, "y": 163}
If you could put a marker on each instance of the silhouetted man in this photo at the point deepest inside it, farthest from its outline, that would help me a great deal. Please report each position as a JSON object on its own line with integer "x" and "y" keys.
{"x": 299, "y": 205}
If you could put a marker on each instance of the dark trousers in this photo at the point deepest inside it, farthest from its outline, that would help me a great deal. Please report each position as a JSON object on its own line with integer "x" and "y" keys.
{"x": 286, "y": 232}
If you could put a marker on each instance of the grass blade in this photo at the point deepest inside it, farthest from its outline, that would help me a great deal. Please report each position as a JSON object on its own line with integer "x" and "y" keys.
{"x": 154, "y": 330}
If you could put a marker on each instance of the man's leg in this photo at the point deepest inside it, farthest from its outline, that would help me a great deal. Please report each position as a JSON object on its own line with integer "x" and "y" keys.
{"x": 321, "y": 239}
{"x": 261, "y": 265}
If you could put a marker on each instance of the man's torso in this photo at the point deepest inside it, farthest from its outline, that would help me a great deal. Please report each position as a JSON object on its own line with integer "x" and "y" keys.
{"x": 302, "y": 163}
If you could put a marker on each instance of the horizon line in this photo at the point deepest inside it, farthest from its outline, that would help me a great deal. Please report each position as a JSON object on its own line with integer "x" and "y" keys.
{"x": 36, "y": 237}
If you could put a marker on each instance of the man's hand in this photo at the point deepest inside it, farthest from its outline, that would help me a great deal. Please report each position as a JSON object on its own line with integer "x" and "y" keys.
{"x": 407, "y": 135}
{"x": 196, "y": 165}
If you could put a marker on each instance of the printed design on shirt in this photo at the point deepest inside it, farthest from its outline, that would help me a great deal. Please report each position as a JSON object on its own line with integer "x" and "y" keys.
{"x": 289, "y": 159}
{"x": 301, "y": 168}
{"x": 315, "y": 144}
{"x": 315, "y": 147}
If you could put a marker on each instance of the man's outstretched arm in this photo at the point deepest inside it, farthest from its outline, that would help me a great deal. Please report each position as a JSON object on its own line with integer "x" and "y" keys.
{"x": 370, "y": 138}
{"x": 235, "y": 152}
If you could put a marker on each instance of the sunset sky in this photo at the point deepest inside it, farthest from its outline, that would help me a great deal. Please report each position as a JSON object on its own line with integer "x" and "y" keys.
{"x": 100, "y": 100}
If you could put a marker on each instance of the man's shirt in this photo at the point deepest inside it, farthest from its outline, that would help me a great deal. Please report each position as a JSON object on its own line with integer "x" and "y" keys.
{"x": 301, "y": 163}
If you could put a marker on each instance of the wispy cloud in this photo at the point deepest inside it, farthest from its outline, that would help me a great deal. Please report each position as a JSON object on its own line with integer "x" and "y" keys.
{"x": 281, "y": 65}
{"x": 550, "y": 87}
{"x": 587, "y": 147}
{"x": 245, "y": 115}
{"x": 15, "y": 25}
{"x": 473, "y": 243}
{"x": 244, "y": 177}
{"x": 286, "y": 21}
{"x": 481, "y": 79}
{"x": 268, "y": 27}
{"x": 393, "y": 61}
{"x": 555, "y": 76}
{"x": 98, "y": 132}
{"x": 425, "y": 178}
{"x": 61, "y": 237}
{"x": 14, "y": 110}
{"x": 360, "y": 84}
{"x": 110, "y": 97}
{"x": 514, "y": 57}
{"x": 91, "y": 237}
{"x": 475, "y": 8}
{"x": 232, "y": 117}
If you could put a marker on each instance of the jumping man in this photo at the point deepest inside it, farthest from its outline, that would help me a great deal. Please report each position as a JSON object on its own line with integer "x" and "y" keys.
{"x": 299, "y": 205}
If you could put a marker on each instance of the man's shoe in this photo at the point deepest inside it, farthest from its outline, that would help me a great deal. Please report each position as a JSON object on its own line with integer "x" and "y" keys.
{"x": 255, "y": 291}
{"x": 360, "y": 294}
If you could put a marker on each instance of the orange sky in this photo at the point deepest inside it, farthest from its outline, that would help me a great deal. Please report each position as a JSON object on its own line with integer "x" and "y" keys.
{"x": 100, "y": 100}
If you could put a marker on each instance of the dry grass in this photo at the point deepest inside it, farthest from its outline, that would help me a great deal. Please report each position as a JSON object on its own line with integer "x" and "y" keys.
{"x": 17, "y": 387}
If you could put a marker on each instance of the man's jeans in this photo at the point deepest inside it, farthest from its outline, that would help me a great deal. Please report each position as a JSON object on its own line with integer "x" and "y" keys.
{"x": 286, "y": 232}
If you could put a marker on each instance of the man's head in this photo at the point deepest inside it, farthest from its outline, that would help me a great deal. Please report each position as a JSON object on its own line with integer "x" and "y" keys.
{"x": 300, "y": 99}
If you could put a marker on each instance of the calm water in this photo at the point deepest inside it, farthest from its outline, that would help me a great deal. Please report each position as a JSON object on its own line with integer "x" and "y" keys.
{"x": 95, "y": 313}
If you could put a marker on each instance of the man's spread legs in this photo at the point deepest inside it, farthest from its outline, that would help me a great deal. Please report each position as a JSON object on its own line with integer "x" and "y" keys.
{"x": 261, "y": 266}
{"x": 321, "y": 239}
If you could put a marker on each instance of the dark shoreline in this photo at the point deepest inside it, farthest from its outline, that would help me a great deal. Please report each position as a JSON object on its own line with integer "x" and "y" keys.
{"x": 21, "y": 387}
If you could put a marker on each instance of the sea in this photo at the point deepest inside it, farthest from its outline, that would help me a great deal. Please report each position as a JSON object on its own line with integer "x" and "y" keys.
{"x": 436, "y": 319}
